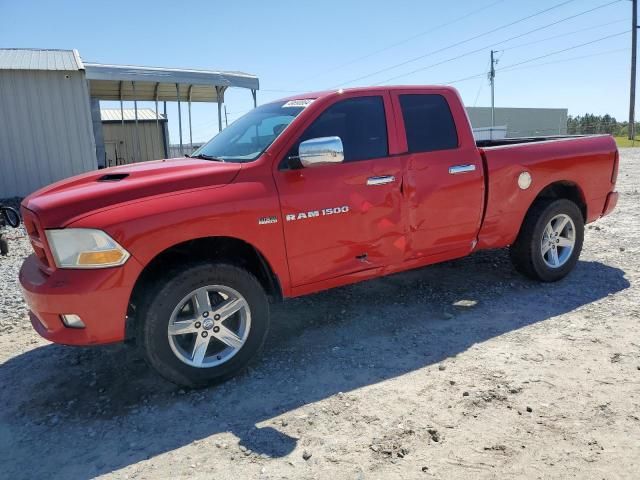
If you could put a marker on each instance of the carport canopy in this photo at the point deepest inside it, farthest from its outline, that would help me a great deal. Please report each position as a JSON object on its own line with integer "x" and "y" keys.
{"x": 158, "y": 84}
{"x": 126, "y": 82}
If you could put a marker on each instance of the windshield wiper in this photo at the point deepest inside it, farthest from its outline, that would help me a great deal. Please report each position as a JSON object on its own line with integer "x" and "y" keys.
{"x": 202, "y": 156}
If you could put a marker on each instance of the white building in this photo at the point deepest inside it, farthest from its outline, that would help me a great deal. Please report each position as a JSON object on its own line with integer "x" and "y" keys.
{"x": 521, "y": 122}
{"x": 50, "y": 122}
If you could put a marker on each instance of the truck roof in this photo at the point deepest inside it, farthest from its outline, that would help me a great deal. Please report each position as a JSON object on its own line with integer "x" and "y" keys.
{"x": 386, "y": 88}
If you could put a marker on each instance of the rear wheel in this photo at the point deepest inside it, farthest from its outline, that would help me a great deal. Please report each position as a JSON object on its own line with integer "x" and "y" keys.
{"x": 203, "y": 324}
{"x": 550, "y": 240}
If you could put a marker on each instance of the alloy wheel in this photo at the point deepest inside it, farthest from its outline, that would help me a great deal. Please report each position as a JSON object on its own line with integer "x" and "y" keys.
{"x": 209, "y": 326}
{"x": 558, "y": 241}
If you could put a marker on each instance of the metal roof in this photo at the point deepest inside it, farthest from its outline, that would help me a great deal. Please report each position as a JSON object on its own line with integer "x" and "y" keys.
{"x": 114, "y": 115}
{"x": 39, "y": 59}
{"x": 116, "y": 82}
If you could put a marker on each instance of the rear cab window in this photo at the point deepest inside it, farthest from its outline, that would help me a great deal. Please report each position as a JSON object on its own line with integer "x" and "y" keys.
{"x": 428, "y": 123}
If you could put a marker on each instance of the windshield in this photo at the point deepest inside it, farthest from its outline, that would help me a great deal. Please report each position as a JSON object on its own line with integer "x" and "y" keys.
{"x": 246, "y": 138}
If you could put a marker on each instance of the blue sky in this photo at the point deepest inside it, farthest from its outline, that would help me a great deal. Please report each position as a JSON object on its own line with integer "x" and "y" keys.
{"x": 297, "y": 46}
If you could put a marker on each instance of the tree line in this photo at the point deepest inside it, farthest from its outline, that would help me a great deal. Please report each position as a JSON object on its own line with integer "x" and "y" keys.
{"x": 590, "y": 123}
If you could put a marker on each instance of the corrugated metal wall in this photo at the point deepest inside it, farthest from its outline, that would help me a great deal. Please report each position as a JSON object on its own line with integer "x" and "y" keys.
{"x": 123, "y": 140}
{"x": 45, "y": 129}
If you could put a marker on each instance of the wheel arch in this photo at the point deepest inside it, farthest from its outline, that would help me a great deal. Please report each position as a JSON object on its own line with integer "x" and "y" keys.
{"x": 563, "y": 189}
{"x": 222, "y": 249}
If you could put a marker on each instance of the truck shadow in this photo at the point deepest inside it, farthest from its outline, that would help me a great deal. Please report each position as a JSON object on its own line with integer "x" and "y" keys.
{"x": 108, "y": 410}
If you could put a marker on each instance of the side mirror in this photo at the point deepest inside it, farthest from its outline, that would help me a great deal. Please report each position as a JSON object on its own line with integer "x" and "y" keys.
{"x": 321, "y": 151}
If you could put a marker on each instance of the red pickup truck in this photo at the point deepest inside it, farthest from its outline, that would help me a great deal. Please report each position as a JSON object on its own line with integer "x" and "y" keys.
{"x": 299, "y": 195}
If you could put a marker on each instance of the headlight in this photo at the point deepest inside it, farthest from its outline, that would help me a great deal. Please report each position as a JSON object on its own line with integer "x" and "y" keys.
{"x": 85, "y": 248}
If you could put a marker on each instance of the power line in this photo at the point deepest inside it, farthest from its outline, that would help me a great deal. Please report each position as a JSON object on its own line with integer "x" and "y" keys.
{"x": 509, "y": 68}
{"x": 593, "y": 27}
{"x": 517, "y": 66}
{"x": 608, "y": 52}
{"x": 538, "y": 65}
{"x": 471, "y": 52}
{"x": 480, "y": 88}
{"x": 568, "y": 49}
{"x": 464, "y": 79}
{"x": 462, "y": 42}
{"x": 406, "y": 40}
{"x": 279, "y": 90}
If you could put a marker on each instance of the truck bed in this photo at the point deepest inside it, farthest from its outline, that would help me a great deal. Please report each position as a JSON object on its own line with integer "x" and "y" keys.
{"x": 587, "y": 162}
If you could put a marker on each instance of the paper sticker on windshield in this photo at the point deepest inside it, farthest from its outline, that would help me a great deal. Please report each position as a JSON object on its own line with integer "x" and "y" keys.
{"x": 298, "y": 103}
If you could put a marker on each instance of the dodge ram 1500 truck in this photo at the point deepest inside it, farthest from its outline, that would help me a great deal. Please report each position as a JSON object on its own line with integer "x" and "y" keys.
{"x": 183, "y": 256}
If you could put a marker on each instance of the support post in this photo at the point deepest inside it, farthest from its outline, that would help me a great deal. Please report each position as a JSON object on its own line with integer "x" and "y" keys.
{"x": 167, "y": 142}
{"x": 179, "y": 117}
{"x": 253, "y": 94}
{"x": 155, "y": 97}
{"x": 96, "y": 121}
{"x": 218, "y": 95}
{"x": 165, "y": 138}
{"x": 121, "y": 105}
{"x": 632, "y": 90}
{"x": 135, "y": 108}
{"x": 190, "y": 130}
{"x": 121, "y": 120}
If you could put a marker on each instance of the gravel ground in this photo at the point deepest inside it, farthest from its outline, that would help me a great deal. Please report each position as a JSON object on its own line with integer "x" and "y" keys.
{"x": 463, "y": 369}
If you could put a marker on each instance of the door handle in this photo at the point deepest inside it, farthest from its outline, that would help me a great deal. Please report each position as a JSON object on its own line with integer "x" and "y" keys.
{"x": 456, "y": 169}
{"x": 372, "y": 181}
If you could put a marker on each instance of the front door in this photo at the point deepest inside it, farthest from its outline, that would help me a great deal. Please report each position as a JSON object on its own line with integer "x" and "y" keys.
{"x": 347, "y": 217}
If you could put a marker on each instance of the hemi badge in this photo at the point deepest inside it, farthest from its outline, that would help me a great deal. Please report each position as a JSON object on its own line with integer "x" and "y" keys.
{"x": 267, "y": 220}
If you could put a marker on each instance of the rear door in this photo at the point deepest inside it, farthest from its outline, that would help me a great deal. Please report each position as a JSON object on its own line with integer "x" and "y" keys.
{"x": 444, "y": 180}
{"x": 347, "y": 217}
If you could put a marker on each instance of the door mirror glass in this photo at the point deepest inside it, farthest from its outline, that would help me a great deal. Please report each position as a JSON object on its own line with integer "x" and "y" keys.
{"x": 321, "y": 151}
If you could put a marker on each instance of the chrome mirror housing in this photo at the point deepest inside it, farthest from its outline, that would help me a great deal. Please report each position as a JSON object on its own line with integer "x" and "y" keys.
{"x": 321, "y": 151}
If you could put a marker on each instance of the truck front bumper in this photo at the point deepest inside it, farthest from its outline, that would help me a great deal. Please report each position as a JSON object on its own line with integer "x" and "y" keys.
{"x": 100, "y": 298}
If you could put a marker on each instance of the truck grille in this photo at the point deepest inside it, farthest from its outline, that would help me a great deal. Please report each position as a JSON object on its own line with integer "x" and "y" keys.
{"x": 38, "y": 239}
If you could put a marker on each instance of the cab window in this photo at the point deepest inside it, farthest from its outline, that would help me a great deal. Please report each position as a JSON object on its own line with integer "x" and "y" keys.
{"x": 428, "y": 123}
{"x": 360, "y": 123}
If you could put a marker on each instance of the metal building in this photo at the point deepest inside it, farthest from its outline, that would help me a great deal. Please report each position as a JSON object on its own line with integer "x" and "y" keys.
{"x": 522, "y": 122}
{"x": 50, "y": 121}
{"x": 45, "y": 121}
{"x": 125, "y": 142}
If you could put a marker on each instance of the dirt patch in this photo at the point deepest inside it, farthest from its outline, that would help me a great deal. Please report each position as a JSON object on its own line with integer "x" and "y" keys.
{"x": 463, "y": 369}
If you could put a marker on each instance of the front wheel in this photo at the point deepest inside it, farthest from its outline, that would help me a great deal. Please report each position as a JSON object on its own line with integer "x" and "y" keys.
{"x": 550, "y": 240}
{"x": 204, "y": 324}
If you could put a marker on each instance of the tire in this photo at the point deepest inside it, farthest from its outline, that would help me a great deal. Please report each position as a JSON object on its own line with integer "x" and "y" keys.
{"x": 528, "y": 252}
{"x": 11, "y": 217}
{"x": 175, "y": 356}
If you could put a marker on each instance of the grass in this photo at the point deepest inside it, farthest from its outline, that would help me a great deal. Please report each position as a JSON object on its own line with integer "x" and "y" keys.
{"x": 625, "y": 142}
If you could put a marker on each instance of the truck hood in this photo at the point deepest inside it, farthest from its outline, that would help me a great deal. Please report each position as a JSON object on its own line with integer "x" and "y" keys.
{"x": 63, "y": 202}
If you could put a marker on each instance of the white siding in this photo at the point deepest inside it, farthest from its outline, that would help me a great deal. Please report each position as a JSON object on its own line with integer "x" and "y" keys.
{"x": 126, "y": 141}
{"x": 45, "y": 129}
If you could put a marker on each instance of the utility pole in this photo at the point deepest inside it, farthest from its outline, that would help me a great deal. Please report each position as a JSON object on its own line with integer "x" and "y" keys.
{"x": 632, "y": 95}
{"x": 492, "y": 79}
{"x": 226, "y": 119}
